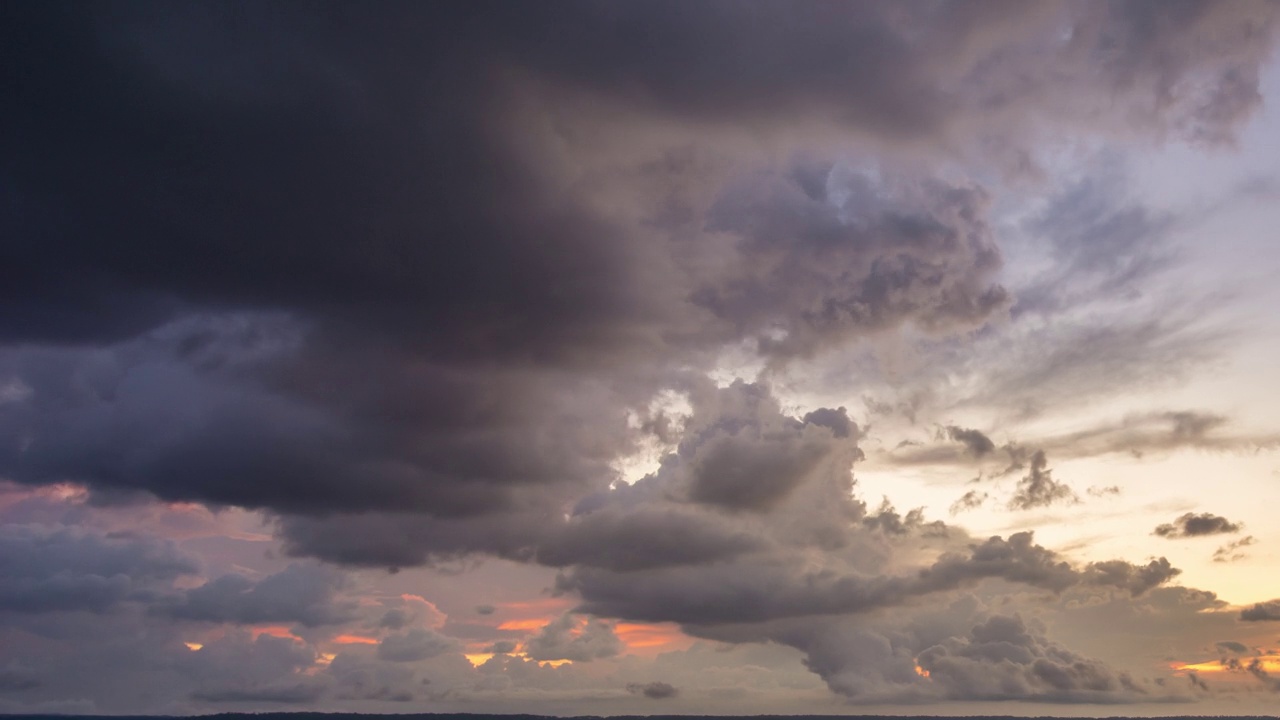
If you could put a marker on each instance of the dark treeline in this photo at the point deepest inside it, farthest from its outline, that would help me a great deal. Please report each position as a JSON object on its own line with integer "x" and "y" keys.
{"x": 499, "y": 716}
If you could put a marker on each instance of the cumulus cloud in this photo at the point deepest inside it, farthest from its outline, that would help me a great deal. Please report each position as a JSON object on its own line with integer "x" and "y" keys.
{"x": 1197, "y": 525}
{"x": 403, "y": 280}
{"x": 46, "y": 570}
{"x": 1258, "y": 612}
{"x": 303, "y": 594}
{"x": 414, "y": 645}
{"x": 571, "y": 637}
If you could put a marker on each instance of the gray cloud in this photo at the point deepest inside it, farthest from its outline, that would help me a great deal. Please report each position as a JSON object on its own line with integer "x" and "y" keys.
{"x": 414, "y": 645}
{"x": 974, "y": 441}
{"x": 571, "y": 637}
{"x": 1197, "y": 525}
{"x": 1231, "y": 551}
{"x": 1039, "y": 489}
{"x": 1001, "y": 658}
{"x": 1258, "y": 612}
{"x": 45, "y": 571}
{"x": 397, "y": 278}
{"x": 304, "y": 594}
{"x": 1137, "y": 579}
{"x": 969, "y": 501}
{"x": 656, "y": 690}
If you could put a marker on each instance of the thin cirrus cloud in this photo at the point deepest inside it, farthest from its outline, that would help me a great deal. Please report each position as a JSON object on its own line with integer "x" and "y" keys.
{"x": 401, "y": 288}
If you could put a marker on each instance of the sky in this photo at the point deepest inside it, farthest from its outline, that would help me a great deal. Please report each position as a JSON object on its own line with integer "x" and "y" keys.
{"x": 640, "y": 358}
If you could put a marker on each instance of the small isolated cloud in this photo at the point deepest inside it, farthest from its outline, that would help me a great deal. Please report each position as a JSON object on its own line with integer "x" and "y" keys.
{"x": 1039, "y": 489}
{"x": 1232, "y": 550}
{"x": 1232, "y": 647}
{"x": 485, "y": 609}
{"x": 1269, "y": 610}
{"x": 1193, "y": 525}
{"x": 1103, "y": 491}
{"x": 653, "y": 690}
{"x": 974, "y": 441}
{"x": 969, "y": 501}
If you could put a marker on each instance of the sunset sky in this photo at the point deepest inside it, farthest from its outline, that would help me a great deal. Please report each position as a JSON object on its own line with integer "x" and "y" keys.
{"x": 640, "y": 357}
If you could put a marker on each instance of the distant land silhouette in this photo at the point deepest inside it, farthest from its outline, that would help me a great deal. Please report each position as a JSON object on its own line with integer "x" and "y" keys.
{"x": 504, "y": 716}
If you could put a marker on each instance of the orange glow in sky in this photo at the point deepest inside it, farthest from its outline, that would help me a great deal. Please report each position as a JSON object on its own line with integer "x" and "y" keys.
{"x": 278, "y": 631}
{"x": 355, "y": 640}
{"x": 643, "y": 636}
{"x": 525, "y": 624}
{"x": 1269, "y": 663}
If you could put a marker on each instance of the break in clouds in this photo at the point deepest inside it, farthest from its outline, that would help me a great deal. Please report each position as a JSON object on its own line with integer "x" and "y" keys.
{"x": 415, "y": 282}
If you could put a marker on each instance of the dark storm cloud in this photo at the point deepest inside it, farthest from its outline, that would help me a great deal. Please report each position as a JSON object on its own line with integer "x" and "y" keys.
{"x": 45, "y": 571}
{"x": 653, "y": 690}
{"x": 1039, "y": 489}
{"x": 1258, "y": 612}
{"x": 303, "y": 594}
{"x": 398, "y": 275}
{"x": 1197, "y": 525}
{"x": 634, "y": 539}
{"x": 475, "y": 277}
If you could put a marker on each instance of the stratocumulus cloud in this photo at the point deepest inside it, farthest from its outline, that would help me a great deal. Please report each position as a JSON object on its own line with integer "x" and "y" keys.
{"x": 541, "y": 308}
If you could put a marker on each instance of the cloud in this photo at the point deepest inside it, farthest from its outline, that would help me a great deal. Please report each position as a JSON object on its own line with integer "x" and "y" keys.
{"x": 403, "y": 291}
{"x": 974, "y": 441}
{"x": 414, "y": 645}
{"x": 969, "y": 501}
{"x": 1258, "y": 612}
{"x": 1230, "y": 552}
{"x": 1197, "y": 525}
{"x": 1039, "y": 489}
{"x": 46, "y": 571}
{"x": 573, "y": 638}
{"x": 1137, "y": 579}
{"x": 656, "y": 690}
{"x": 303, "y": 594}
{"x": 1003, "y": 658}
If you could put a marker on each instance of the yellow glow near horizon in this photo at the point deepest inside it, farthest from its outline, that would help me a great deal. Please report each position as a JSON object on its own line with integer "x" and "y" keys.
{"x": 1268, "y": 663}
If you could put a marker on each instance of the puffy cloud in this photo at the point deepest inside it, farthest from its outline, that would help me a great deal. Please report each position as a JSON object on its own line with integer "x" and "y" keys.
{"x": 570, "y": 637}
{"x": 1137, "y": 579}
{"x": 414, "y": 645}
{"x": 1269, "y": 610}
{"x": 1003, "y": 658}
{"x": 303, "y": 594}
{"x": 1197, "y": 525}
{"x": 974, "y": 441}
{"x": 408, "y": 336}
{"x": 46, "y": 570}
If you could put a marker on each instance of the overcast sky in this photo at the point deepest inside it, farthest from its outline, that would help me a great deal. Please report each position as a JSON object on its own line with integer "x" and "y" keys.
{"x": 649, "y": 357}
